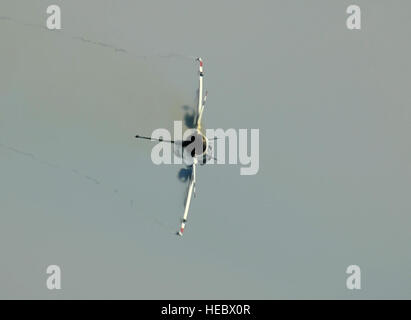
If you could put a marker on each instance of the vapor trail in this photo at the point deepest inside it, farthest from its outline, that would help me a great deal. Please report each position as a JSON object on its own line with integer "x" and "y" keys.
{"x": 101, "y": 44}
{"x": 96, "y": 181}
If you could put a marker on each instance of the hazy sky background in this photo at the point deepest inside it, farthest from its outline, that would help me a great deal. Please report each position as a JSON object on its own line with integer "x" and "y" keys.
{"x": 332, "y": 106}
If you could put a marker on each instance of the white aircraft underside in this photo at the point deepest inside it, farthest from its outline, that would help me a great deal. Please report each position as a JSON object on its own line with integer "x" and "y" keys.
{"x": 198, "y": 156}
{"x": 194, "y": 150}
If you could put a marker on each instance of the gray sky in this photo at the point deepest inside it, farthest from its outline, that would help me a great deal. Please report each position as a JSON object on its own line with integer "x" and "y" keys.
{"x": 332, "y": 106}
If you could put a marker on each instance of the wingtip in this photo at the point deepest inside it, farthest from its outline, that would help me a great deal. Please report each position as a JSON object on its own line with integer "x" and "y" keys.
{"x": 180, "y": 232}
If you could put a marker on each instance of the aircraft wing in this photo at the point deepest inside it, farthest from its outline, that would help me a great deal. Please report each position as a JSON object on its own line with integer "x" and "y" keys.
{"x": 201, "y": 100}
{"x": 191, "y": 189}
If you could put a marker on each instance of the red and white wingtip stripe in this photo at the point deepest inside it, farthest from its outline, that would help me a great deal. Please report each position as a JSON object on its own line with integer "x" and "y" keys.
{"x": 201, "y": 63}
{"x": 180, "y": 233}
